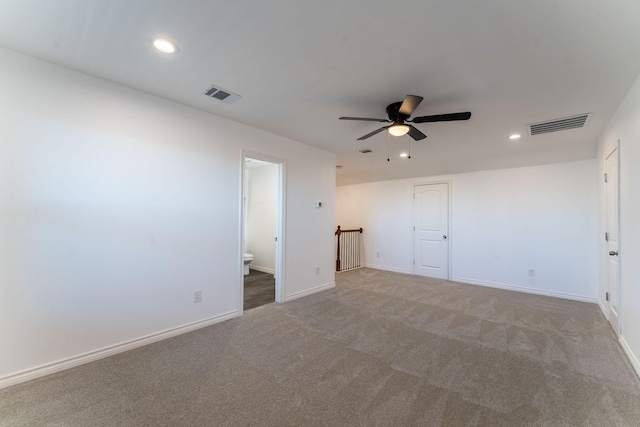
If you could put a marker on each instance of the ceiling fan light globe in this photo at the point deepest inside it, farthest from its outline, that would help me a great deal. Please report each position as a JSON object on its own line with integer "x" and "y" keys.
{"x": 399, "y": 129}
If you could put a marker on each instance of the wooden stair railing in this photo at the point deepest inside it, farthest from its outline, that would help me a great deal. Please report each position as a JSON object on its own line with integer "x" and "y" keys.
{"x": 348, "y": 249}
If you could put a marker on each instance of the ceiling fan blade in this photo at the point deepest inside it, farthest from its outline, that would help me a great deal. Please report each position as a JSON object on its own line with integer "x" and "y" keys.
{"x": 442, "y": 118}
{"x": 373, "y": 133}
{"x": 409, "y": 104}
{"x": 416, "y": 134}
{"x": 364, "y": 119}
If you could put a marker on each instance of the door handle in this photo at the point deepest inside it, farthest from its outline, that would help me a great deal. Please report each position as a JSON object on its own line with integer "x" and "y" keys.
{"x": 444, "y": 236}
{"x": 612, "y": 253}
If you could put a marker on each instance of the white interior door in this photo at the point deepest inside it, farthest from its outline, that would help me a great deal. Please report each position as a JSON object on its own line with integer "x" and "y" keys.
{"x": 431, "y": 230}
{"x": 611, "y": 192}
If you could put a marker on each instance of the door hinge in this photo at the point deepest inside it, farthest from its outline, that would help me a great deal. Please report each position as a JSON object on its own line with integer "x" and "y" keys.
{"x": 414, "y": 228}
{"x": 414, "y": 262}
{"x": 606, "y": 178}
{"x": 607, "y": 296}
{"x": 606, "y": 237}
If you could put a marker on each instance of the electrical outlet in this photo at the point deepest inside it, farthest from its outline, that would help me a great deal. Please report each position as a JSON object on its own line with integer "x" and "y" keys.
{"x": 531, "y": 272}
{"x": 317, "y": 270}
{"x": 377, "y": 254}
{"x": 197, "y": 296}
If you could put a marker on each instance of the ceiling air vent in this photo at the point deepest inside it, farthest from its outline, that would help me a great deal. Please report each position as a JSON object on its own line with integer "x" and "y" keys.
{"x": 574, "y": 122}
{"x": 221, "y": 94}
{"x": 365, "y": 151}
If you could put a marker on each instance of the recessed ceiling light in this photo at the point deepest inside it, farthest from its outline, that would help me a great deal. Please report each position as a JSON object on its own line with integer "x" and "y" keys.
{"x": 515, "y": 136}
{"x": 165, "y": 45}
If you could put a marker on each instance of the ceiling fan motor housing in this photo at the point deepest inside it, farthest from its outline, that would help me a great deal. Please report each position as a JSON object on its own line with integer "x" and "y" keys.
{"x": 393, "y": 111}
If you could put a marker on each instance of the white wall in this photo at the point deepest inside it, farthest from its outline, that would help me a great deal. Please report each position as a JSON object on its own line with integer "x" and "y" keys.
{"x": 116, "y": 205}
{"x": 503, "y": 222}
{"x": 625, "y": 127}
{"x": 262, "y": 215}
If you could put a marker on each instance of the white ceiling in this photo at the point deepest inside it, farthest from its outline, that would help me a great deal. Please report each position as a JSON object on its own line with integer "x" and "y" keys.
{"x": 300, "y": 65}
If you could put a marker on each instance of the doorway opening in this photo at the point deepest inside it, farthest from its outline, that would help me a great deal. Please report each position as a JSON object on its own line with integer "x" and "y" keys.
{"x": 262, "y": 213}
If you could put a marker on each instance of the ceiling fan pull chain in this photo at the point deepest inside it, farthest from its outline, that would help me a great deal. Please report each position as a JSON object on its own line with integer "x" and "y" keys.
{"x": 388, "y": 137}
{"x": 409, "y": 149}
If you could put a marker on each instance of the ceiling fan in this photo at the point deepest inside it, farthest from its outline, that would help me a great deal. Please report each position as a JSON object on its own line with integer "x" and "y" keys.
{"x": 399, "y": 113}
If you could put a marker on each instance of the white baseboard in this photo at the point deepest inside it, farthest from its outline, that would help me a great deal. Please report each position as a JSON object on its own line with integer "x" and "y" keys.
{"x": 262, "y": 269}
{"x": 603, "y": 308}
{"x": 81, "y": 359}
{"x": 392, "y": 269}
{"x": 309, "y": 291}
{"x": 632, "y": 357}
{"x": 526, "y": 290}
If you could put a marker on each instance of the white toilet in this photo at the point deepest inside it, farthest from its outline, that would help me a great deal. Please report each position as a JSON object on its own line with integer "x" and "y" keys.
{"x": 247, "y": 260}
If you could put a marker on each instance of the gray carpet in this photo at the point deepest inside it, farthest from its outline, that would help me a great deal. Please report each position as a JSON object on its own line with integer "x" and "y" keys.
{"x": 381, "y": 349}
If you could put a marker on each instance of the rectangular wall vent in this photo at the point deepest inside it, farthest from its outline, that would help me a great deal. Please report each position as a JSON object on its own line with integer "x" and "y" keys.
{"x": 573, "y": 122}
{"x": 365, "y": 151}
{"x": 223, "y": 95}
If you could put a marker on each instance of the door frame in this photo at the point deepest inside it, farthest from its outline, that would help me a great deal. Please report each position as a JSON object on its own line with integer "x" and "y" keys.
{"x": 618, "y": 287}
{"x": 280, "y": 225}
{"x": 449, "y": 219}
